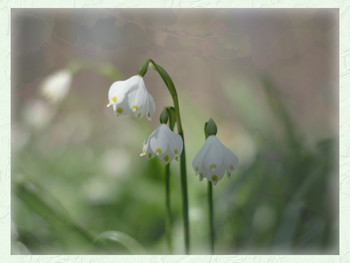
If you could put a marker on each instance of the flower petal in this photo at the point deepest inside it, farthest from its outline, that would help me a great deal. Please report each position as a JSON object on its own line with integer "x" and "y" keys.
{"x": 166, "y": 156}
{"x": 197, "y": 163}
{"x": 151, "y": 107}
{"x": 214, "y": 156}
{"x": 159, "y": 141}
{"x": 122, "y": 108}
{"x": 231, "y": 161}
{"x": 118, "y": 91}
{"x": 175, "y": 142}
{"x": 138, "y": 96}
{"x": 215, "y": 176}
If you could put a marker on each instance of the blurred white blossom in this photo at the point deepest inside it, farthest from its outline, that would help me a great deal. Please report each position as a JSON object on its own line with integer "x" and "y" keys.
{"x": 117, "y": 162}
{"x": 19, "y": 136}
{"x": 56, "y": 86}
{"x": 37, "y": 113}
{"x": 131, "y": 95}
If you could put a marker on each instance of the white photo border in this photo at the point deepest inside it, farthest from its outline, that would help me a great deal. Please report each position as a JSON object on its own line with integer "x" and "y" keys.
{"x": 344, "y": 129}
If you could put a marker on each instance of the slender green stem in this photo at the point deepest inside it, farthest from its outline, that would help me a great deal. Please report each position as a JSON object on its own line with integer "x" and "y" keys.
{"x": 168, "y": 115}
{"x": 105, "y": 69}
{"x": 211, "y": 216}
{"x": 184, "y": 198}
{"x": 168, "y": 210}
{"x": 171, "y": 87}
{"x": 210, "y": 203}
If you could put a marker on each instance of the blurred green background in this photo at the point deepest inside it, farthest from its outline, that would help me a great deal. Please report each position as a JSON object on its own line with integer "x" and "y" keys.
{"x": 268, "y": 77}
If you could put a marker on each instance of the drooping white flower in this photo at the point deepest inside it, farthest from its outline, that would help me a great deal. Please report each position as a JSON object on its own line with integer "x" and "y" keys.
{"x": 163, "y": 143}
{"x": 131, "y": 95}
{"x": 56, "y": 86}
{"x": 213, "y": 160}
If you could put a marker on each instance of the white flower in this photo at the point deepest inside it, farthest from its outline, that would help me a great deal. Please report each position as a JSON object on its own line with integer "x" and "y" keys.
{"x": 164, "y": 143}
{"x": 213, "y": 160}
{"x": 131, "y": 95}
{"x": 56, "y": 86}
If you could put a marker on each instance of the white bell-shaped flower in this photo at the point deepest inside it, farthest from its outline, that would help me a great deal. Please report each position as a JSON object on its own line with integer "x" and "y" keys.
{"x": 56, "y": 86}
{"x": 163, "y": 143}
{"x": 213, "y": 160}
{"x": 131, "y": 95}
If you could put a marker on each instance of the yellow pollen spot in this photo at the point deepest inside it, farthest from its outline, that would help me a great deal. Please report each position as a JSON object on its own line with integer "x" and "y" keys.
{"x": 159, "y": 151}
{"x": 114, "y": 99}
{"x": 214, "y": 178}
{"x": 120, "y": 110}
{"x": 149, "y": 156}
{"x": 175, "y": 151}
{"x": 166, "y": 158}
{"x": 196, "y": 168}
{"x": 143, "y": 151}
{"x": 213, "y": 166}
{"x": 149, "y": 115}
{"x": 201, "y": 176}
{"x": 231, "y": 167}
{"x": 139, "y": 115}
{"x": 134, "y": 107}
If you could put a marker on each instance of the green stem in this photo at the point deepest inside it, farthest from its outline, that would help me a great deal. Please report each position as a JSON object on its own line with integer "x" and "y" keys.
{"x": 171, "y": 87}
{"x": 211, "y": 213}
{"x": 210, "y": 201}
{"x": 184, "y": 197}
{"x": 104, "y": 69}
{"x": 168, "y": 220}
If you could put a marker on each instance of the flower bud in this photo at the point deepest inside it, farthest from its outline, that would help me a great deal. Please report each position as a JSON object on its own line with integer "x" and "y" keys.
{"x": 142, "y": 70}
{"x": 163, "y": 118}
{"x": 210, "y": 128}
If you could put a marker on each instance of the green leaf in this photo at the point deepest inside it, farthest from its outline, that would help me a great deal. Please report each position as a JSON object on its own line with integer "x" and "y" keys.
{"x": 127, "y": 241}
{"x": 287, "y": 229}
{"x": 45, "y": 205}
{"x": 281, "y": 112}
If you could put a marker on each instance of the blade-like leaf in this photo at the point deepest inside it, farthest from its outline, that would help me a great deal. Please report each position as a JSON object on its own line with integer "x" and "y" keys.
{"x": 127, "y": 241}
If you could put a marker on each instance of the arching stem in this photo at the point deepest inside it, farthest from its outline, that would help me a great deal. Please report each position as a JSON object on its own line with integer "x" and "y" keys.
{"x": 171, "y": 87}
